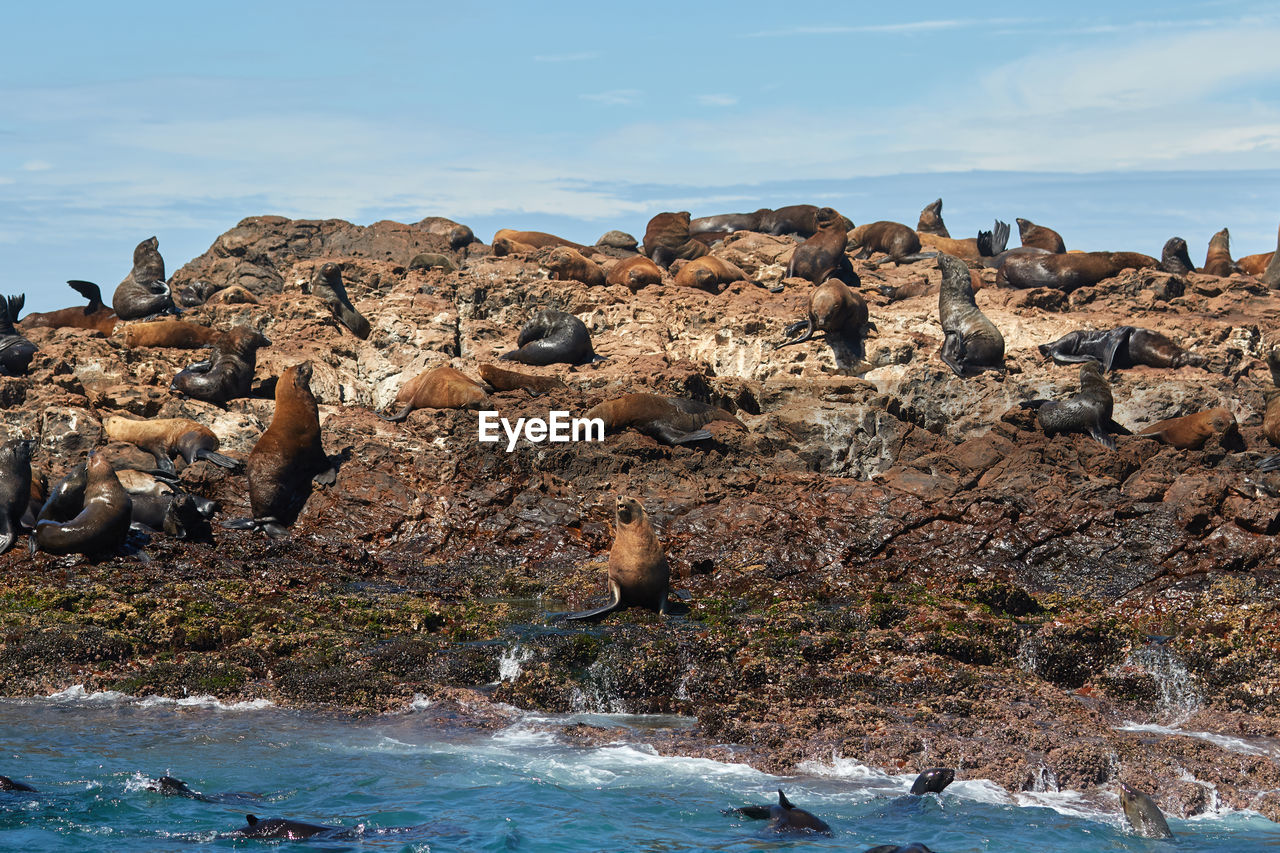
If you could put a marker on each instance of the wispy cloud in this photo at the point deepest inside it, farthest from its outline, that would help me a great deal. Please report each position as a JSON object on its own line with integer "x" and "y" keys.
{"x": 567, "y": 57}
{"x": 613, "y": 97}
{"x": 37, "y": 166}
{"x": 837, "y": 29}
{"x": 717, "y": 100}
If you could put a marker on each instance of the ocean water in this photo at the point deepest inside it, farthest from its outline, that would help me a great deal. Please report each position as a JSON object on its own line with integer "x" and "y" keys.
{"x": 412, "y": 782}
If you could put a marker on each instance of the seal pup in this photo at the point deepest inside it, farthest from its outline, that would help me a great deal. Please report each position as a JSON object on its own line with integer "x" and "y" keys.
{"x": 1174, "y": 257}
{"x": 667, "y": 238}
{"x": 1069, "y": 271}
{"x": 1087, "y": 411}
{"x": 933, "y": 781}
{"x": 7, "y": 784}
{"x": 1190, "y": 432}
{"x": 971, "y": 342}
{"x": 786, "y": 817}
{"x": 94, "y": 316}
{"x": 15, "y": 488}
{"x": 894, "y": 239}
{"x": 569, "y": 265}
{"x": 16, "y": 351}
{"x": 1217, "y": 260}
{"x": 287, "y": 457}
{"x": 669, "y": 420}
{"x": 165, "y": 438}
{"x": 291, "y": 830}
{"x": 634, "y": 273}
{"x": 638, "y": 572}
{"x": 1123, "y": 346}
{"x": 931, "y": 220}
{"x": 834, "y": 309}
{"x": 170, "y": 333}
{"x": 553, "y": 337}
{"x": 1039, "y": 237}
{"x": 822, "y": 256}
{"x": 509, "y": 380}
{"x": 439, "y": 388}
{"x": 327, "y": 284}
{"x": 143, "y": 291}
{"x": 227, "y": 373}
{"x": 1143, "y": 814}
{"x": 100, "y": 526}
{"x": 708, "y": 273}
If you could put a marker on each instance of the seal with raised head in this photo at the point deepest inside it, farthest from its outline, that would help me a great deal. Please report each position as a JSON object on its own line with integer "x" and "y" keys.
{"x": 1068, "y": 271}
{"x": 669, "y": 420}
{"x": 1190, "y": 432}
{"x": 510, "y": 380}
{"x": 165, "y": 438}
{"x": 638, "y": 572}
{"x": 822, "y": 256}
{"x": 667, "y": 238}
{"x": 327, "y": 284}
{"x": 102, "y": 523}
{"x": 228, "y": 371}
{"x": 894, "y": 239}
{"x": 143, "y": 291}
{"x": 94, "y": 316}
{"x": 7, "y": 784}
{"x": 439, "y": 388}
{"x": 786, "y": 817}
{"x": 170, "y": 333}
{"x": 933, "y": 781}
{"x": 569, "y": 265}
{"x": 1217, "y": 260}
{"x": 1174, "y": 257}
{"x": 16, "y": 351}
{"x": 931, "y": 220}
{"x": 1088, "y": 411}
{"x": 971, "y": 342}
{"x": 553, "y": 337}
{"x": 15, "y": 488}
{"x": 834, "y": 309}
{"x": 1123, "y": 346}
{"x": 1039, "y": 237}
{"x": 1143, "y": 814}
{"x": 634, "y": 273}
{"x": 708, "y": 273}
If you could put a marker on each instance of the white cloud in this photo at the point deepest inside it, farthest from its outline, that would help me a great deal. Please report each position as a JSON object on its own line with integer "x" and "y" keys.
{"x": 717, "y": 100}
{"x": 836, "y": 29}
{"x": 37, "y": 166}
{"x": 614, "y": 97}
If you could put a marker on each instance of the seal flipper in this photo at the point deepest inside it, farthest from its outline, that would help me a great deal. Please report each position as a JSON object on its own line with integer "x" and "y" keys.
{"x": 952, "y": 353}
{"x": 600, "y": 612}
{"x": 668, "y": 434}
{"x": 1119, "y": 335}
{"x": 89, "y": 291}
{"x": 1271, "y": 463}
{"x": 7, "y": 534}
{"x": 220, "y": 460}
{"x": 795, "y": 327}
{"x": 164, "y": 463}
{"x": 755, "y": 812}
{"x": 396, "y": 418}
{"x": 1103, "y": 437}
{"x": 239, "y": 524}
{"x": 783, "y": 801}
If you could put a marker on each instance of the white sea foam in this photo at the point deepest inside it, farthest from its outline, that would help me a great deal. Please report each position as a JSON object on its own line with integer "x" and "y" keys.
{"x": 511, "y": 660}
{"x": 1233, "y": 744}
{"x": 78, "y": 693}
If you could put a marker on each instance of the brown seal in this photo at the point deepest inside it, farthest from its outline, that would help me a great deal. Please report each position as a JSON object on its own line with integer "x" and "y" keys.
{"x": 536, "y": 239}
{"x": 1174, "y": 257}
{"x": 708, "y": 273}
{"x": 1190, "y": 432}
{"x": 634, "y": 273}
{"x": 94, "y": 316}
{"x": 143, "y": 291}
{"x": 971, "y": 342}
{"x": 1039, "y": 237}
{"x": 439, "y": 388}
{"x": 228, "y": 372}
{"x": 1218, "y": 259}
{"x": 1088, "y": 411}
{"x": 822, "y": 256}
{"x": 509, "y": 380}
{"x": 327, "y": 284}
{"x": 458, "y": 235}
{"x": 1143, "y": 814}
{"x": 798, "y": 219}
{"x": 101, "y": 524}
{"x": 1271, "y": 414}
{"x": 669, "y": 420}
{"x": 15, "y": 488}
{"x": 1255, "y": 265}
{"x": 667, "y": 238}
{"x": 569, "y": 265}
{"x": 502, "y": 247}
{"x": 1068, "y": 271}
{"x": 170, "y": 333}
{"x": 286, "y": 458}
{"x": 165, "y": 438}
{"x": 966, "y": 248}
{"x": 931, "y": 221}
{"x": 638, "y": 572}
{"x": 893, "y": 238}
{"x": 834, "y": 309}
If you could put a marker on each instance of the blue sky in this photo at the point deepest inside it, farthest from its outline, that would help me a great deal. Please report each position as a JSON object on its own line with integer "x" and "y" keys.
{"x": 1117, "y": 124}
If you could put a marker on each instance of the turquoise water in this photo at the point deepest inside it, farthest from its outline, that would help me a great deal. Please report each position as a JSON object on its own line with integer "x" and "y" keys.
{"x": 411, "y": 782}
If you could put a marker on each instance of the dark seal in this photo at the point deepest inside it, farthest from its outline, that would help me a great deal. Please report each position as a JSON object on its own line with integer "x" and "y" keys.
{"x": 1088, "y": 411}
{"x": 930, "y": 221}
{"x": 1121, "y": 347}
{"x": 1143, "y": 814}
{"x": 971, "y": 342}
{"x": 786, "y": 817}
{"x": 327, "y": 284}
{"x": 101, "y": 525}
{"x": 143, "y": 291}
{"x": 933, "y": 781}
{"x": 822, "y": 256}
{"x": 291, "y": 830}
{"x": 834, "y": 310}
{"x": 667, "y": 238}
{"x": 16, "y": 351}
{"x": 1069, "y": 271}
{"x": 15, "y": 488}
{"x": 553, "y": 337}
{"x": 7, "y": 784}
{"x": 1174, "y": 257}
{"x": 227, "y": 373}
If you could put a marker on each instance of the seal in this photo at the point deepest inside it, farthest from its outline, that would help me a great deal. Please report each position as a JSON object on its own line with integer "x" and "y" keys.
{"x": 100, "y": 527}
{"x": 620, "y": 240}
{"x": 915, "y": 847}
{"x": 569, "y": 265}
{"x": 1271, "y": 414}
{"x": 822, "y": 256}
{"x": 1217, "y": 260}
{"x": 667, "y": 238}
{"x": 931, "y": 220}
{"x": 143, "y": 291}
{"x": 933, "y": 781}
{"x": 708, "y": 273}
{"x": 1143, "y": 814}
{"x": 1190, "y": 432}
{"x": 1174, "y": 257}
{"x": 327, "y": 284}
{"x": 1254, "y": 265}
{"x": 1271, "y": 275}
{"x": 170, "y": 333}
{"x": 1088, "y": 411}
{"x": 15, "y": 488}
{"x": 16, "y": 351}
{"x": 785, "y": 817}
{"x": 834, "y": 309}
{"x": 458, "y": 235}
{"x": 292, "y": 830}
{"x": 669, "y": 420}
{"x": 228, "y": 371}
{"x": 1039, "y": 237}
{"x": 509, "y": 380}
{"x": 798, "y": 219}
{"x": 634, "y": 273}
{"x": 971, "y": 343}
{"x": 894, "y": 239}
{"x": 165, "y": 438}
{"x": 7, "y": 784}
{"x": 536, "y": 239}
{"x": 1123, "y": 346}
{"x": 160, "y": 507}
{"x": 553, "y": 337}
{"x": 638, "y": 572}
{"x": 727, "y": 223}
{"x": 1068, "y": 271}
{"x": 432, "y": 260}
{"x": 94, "y": 316}
{"x": 439, "y": 388}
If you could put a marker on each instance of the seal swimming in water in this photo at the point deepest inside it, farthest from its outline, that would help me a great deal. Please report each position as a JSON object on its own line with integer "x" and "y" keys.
{"x": 95, "y": 315}
{"x": 569, "y": 265}
{"x": 165, "y": 438}
{"x": 1190, "y": 432}
{"x": 667, "y": 239}
{"x": 822, "y": 256}
{"x": 143, "y": 291}
{"x": 1039, "y": 237}
{"x": 100, "y": 526}
{"x": 834, "y": 309}
{"x": 1087, "y": 411}
{"x": 1070, "y": 271}
{"x": 553, "y": 337}
{"x": 327, "y": 284}
{"x": 933, "y": 781}
{"x": 439, "y": 388}
{"x": 786, "y": 817}
{"x": 638, "y": 571}
{"x": 1123, "y": 346}
{"x": 1143, "y": 814}
{"x": 291, "y": 830}
{"x": 634, "y": 273}
{"x": 227, "y": 373}
{"x": 669, "y": 420}
{"x": 16, "y": 351}
{"x": 971, "y": 342}
{"x": 1174, "y": 257}
{"x": 1218, "y": 259}
{"x": 7, "y": 784}
{"x": 15, "y": 488}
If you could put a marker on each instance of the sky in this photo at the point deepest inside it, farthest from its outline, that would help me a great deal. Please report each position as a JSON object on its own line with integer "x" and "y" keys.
{"x": 1119, "y": 125}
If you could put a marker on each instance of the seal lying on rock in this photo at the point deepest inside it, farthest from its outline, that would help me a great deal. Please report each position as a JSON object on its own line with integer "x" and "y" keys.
{"x": 834, "y": 309}
{"x": 933, "y": 781}
{"x": 896, "y": 240}
{"x": 569, "y": 265}
{"x": 16, "y": 351}
{"x": 708, "y": 273}
{"x": 100, "y": 526}
{"x": 785, "y": 817}
{"x": 553, "y": 337}
{"x": 1039, "y": 237}
{"x": 95, "y": 315}
{"x": 170, "y": 333}
{"x": 1190, "y": 432}
{"x": 971, "y": 343}
{"x": 534, "y": 239}
{"x": 1123, "y": 346}
{"x": 670, "y": 420}
{"x": 901, "y": 848}
{"x": 439, "y": 388}
{"x": 227, "y": 373}
{"x": 509, "y": 380}
{"x": 15, "y": 488}
{"x": 327, "y": 284}
{"x": 1143, "y": 814}
{"x": 1088, "y": 411}
{"x": 1070, "y": 271}
{"x": 638, "y": 571}
{"x": 634, "y": 273}
{"x": 165, "y": 438}
{"x": 143, "y": 291}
